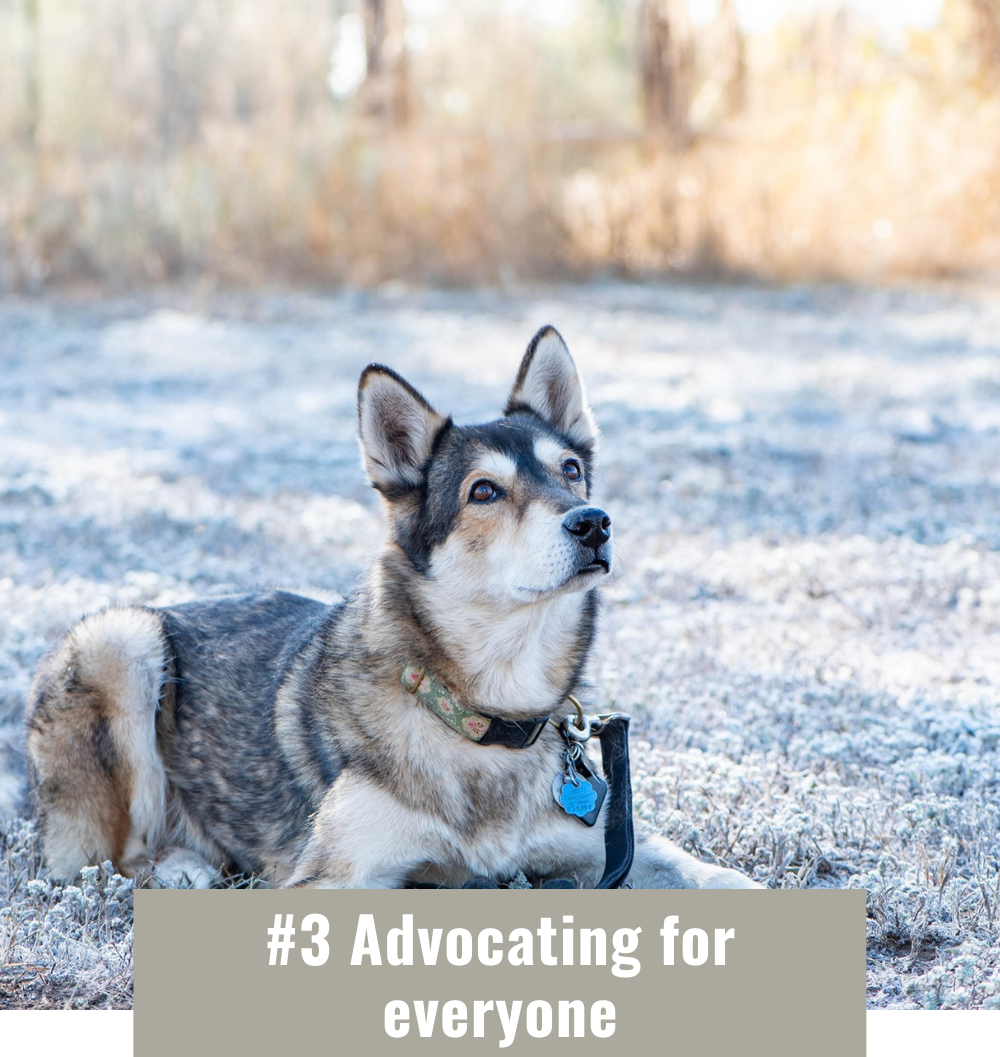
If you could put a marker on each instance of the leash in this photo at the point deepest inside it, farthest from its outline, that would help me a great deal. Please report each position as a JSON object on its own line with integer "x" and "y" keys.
{"x": 619, "y": 837}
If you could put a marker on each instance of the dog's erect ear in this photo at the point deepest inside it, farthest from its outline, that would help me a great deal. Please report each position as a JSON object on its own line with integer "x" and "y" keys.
{"x": 396, "y": 428}
{"x": 548, "y": 384}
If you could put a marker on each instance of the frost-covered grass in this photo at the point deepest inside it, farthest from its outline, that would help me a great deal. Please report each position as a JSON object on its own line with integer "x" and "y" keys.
{"x": 806, "y": 490}
{"x": 61, "y": 946}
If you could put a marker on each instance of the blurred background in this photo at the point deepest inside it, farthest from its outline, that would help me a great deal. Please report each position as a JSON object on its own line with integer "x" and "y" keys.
{"x": 362, "y": 142}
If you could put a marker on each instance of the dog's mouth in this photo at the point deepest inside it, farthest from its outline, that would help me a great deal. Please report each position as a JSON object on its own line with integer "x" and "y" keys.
{"x": 598, "y": 565}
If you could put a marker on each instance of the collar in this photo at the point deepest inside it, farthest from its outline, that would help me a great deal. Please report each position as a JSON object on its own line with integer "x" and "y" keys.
{"x": 477, "y": 727}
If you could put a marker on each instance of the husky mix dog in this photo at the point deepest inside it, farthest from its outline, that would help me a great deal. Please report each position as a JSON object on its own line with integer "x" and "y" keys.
{"x": 275, "y": 734}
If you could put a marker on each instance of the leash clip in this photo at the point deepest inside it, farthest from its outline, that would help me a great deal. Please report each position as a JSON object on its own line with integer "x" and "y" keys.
{"x": 598, "y": 724}
{"x": 581, "y": 727}
{"x": 577, "y": 728}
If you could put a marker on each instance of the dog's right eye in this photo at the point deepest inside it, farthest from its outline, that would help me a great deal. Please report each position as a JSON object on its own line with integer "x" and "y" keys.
{"x": 483, "y": 492}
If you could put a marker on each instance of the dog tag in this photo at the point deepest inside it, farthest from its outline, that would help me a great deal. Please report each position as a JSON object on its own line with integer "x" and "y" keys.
{"x": 577, "y": 799}
{"x": 580, "y": 792}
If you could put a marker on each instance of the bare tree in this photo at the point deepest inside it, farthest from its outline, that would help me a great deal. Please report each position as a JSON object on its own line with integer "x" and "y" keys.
{"x": 384, "y": 97}
{"x": 666, "y": 58}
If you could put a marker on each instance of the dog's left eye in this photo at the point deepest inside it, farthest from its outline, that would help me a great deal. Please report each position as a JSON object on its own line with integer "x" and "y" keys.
{"x": 571, "y": 470}
{"x": 483, "y": 492}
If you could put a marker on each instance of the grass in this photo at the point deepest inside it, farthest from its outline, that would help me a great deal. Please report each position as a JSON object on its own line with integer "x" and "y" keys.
{"x": 802, "y": 629}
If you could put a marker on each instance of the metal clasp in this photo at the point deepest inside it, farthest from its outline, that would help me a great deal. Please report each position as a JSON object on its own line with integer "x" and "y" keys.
{"x": 598, "y": 723}
{"x": 578, "y": 727}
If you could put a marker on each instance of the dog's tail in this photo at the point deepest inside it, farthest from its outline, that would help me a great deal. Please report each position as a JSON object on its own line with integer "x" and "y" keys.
{"x": 13, "y": 771}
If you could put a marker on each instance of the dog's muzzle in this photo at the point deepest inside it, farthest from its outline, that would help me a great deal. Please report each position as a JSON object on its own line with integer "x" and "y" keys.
{"x": 591, "y": 528}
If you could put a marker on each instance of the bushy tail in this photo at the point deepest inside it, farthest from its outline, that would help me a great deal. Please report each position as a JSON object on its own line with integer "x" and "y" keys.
{"x": 13, "y": 771}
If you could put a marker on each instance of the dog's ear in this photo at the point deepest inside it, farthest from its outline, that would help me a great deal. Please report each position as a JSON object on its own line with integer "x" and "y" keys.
{"x": 547, "y": 383}
{"x": 396, "y": 428}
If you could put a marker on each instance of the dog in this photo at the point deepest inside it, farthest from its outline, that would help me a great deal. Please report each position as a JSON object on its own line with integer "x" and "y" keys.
{"x": 349, "y": 745}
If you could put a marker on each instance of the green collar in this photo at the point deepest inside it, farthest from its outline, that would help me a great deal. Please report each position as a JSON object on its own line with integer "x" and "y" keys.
{"x": 477, "y": 727}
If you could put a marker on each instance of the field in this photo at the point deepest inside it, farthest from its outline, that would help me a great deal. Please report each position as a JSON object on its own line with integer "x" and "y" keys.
{"x": 806, "y": 488}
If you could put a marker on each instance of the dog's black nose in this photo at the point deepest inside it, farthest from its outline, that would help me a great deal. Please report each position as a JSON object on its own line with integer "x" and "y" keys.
{"x": 590, "y": 525}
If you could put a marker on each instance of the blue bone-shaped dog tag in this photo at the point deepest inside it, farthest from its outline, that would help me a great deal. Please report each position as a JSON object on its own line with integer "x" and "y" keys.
{"x": 577, "y": 799}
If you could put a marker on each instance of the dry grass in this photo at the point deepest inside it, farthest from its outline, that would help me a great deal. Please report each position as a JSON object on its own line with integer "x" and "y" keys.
{"x": 198, "y": 140}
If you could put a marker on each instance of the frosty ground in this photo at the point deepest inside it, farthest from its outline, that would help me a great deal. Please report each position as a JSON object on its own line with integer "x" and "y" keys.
{"x": 805, "y": 484}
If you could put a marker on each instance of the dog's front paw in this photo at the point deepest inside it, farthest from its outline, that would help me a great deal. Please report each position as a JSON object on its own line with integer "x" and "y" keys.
{"x": 660, "y": 864}
{"x": 720, "y": 877}
{"x": 182, "y": 868}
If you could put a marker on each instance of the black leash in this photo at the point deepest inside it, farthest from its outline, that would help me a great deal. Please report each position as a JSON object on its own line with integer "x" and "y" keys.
{"x": 619, "y": 838}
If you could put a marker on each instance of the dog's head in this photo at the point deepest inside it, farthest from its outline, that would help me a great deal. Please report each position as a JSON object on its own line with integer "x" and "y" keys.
{"x": 498, "y": 513}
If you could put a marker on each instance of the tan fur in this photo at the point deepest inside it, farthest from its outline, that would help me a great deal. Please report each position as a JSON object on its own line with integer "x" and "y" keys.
{"x": 91, "y": 734}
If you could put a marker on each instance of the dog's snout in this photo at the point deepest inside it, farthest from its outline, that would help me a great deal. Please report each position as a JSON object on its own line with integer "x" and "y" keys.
{"x": 590, "y": 525}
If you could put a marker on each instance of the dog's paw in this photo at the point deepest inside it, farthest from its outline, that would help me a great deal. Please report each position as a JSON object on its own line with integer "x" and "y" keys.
{"x": 719, "y": 877}
{"x": 182, "y": 868}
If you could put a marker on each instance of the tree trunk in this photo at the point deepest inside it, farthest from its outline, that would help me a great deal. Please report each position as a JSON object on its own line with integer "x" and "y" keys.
{"x": 666, "y": 57}
{"x": 384, "y": 97}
